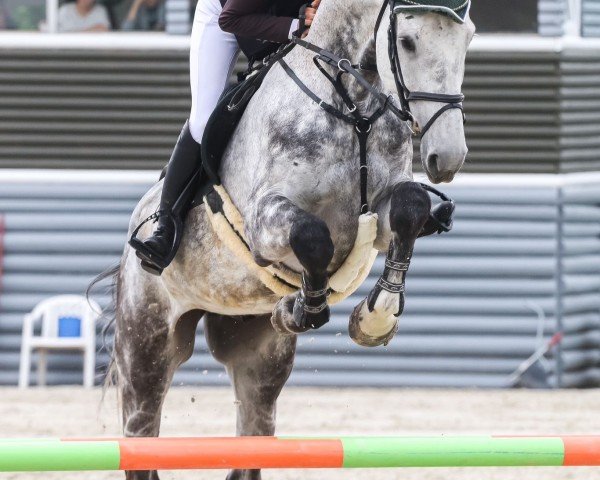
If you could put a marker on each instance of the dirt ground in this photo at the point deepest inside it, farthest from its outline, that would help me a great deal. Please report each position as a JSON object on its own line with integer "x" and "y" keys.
{"x": 64, "y": 412}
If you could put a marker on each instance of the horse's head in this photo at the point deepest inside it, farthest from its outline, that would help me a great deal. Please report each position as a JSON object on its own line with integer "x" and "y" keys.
{"x": 431, "y": 39}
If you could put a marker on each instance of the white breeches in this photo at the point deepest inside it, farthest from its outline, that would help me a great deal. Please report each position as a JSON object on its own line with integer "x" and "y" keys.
{"x": 213, "y": 54}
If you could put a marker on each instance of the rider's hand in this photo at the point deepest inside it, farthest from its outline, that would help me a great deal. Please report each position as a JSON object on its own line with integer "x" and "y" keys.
{"x": 310, "y": 13}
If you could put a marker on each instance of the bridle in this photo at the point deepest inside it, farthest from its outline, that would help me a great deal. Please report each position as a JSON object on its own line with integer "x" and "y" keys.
{"x": 452, "y": 101}
{"x": 362, "y": 122}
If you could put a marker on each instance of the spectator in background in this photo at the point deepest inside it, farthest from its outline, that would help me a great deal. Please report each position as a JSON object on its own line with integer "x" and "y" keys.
{"x": 5, "y": 20}
{"x": 83, "y": 16}
{"x": 146, "y": 15}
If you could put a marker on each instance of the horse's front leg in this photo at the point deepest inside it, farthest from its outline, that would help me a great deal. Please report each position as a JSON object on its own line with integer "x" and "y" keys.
{"x": 280, "y": 228}
{"x": 375, "y": 320}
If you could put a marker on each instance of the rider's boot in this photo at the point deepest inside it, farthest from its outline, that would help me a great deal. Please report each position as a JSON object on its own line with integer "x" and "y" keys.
{"x": 179, "y": 188}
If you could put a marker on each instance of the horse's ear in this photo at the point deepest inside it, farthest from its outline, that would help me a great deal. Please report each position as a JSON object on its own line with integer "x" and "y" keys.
{"x": 368, "y": 55}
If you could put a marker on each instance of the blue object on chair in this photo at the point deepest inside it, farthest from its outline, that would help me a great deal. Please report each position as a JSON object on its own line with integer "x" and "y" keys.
{"x": 69, "y": 327}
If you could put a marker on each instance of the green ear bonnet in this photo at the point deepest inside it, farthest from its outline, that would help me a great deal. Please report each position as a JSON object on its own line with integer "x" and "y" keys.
{"x": 457, "y": 10}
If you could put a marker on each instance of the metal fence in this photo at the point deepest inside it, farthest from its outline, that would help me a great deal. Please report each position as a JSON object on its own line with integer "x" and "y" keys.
{"x": 551, "y": 17}
{"x": 524, "y": 248}
{"x": 590, "y": 18}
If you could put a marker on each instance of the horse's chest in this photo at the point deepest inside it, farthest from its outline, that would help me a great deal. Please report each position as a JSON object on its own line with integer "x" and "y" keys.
{"x": 337, "y": 181}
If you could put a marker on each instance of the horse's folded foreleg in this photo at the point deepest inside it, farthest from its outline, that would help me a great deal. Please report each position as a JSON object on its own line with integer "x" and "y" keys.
{"x": 281, "y": 228}
{"x": 375, "y": 320}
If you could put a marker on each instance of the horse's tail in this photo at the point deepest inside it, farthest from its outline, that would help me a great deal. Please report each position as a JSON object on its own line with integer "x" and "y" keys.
{"x": 109, "y": 315}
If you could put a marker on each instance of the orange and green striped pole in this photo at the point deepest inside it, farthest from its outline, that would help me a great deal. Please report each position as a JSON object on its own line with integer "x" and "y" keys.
{"x": 274, "y": 452}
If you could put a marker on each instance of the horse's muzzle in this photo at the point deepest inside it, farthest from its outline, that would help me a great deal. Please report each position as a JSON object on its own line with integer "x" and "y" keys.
{"x": 440, "y": 171}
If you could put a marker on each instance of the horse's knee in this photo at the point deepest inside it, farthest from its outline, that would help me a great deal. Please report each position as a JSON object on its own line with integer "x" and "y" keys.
{"x": 311, "y": 242}
{"x": 410, "y": 207}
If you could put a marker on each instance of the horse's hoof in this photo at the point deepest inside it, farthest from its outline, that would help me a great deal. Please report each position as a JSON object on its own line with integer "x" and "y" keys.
{"x": 244, "y": 475}
{"x": 360, "y": 315}
{"x": 282, "y": 318}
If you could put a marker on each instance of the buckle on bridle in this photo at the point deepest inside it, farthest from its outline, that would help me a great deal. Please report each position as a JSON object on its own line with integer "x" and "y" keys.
{"x": 414, "y": 127}
{"x": 339, "y": 64}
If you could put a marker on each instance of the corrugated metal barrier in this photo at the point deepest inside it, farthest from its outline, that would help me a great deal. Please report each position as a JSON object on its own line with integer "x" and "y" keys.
{"x": 524, "y": 248}
{"x": 590, "y": 18}
{"x": 529, "y": 109}
{"x": 551, "y": 17}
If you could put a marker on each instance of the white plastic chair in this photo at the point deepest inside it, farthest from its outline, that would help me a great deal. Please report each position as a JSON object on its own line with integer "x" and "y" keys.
{"x": 52, "y": 312}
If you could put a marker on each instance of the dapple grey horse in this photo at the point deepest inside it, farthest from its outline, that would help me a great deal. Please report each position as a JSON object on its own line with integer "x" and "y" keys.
{"x": 291, "y": 170}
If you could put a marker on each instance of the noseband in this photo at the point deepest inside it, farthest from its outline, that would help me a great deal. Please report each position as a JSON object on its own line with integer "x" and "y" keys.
{"x": 404, "y": 94}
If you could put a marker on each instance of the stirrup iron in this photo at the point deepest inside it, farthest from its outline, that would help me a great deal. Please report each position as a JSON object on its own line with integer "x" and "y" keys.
{"x": 152, "y": 261}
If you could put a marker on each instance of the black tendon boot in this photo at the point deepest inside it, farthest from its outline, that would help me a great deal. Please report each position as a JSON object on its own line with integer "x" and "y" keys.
{"x": 179, "y": 187}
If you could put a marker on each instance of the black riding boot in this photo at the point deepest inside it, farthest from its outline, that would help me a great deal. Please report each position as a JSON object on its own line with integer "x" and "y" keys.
{"x": 179, "y": 188}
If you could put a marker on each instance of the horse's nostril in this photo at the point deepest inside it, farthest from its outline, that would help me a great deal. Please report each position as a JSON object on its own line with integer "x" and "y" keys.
{"x": 432, "y": 163}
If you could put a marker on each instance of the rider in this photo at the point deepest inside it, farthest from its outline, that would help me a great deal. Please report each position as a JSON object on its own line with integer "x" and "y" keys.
{"x": 218, "y": 33}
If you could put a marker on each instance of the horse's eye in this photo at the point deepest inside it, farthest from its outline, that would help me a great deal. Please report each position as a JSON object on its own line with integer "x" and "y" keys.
{"x": 408, "y": 44}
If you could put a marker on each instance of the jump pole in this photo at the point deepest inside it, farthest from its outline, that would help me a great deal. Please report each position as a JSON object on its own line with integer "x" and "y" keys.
{"x": 278, "y": 452}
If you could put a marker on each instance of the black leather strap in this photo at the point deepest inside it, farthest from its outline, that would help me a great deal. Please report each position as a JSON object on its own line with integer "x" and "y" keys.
{"x": 435, "y": 97}
{"x": 314, "y": 97}
{"x": 302, "y": 20}
{"x": 437, "y": 115}
{"x": 344, "y": 64}
{"x": 382, "y": 11}
{"x": 363, "y": 130}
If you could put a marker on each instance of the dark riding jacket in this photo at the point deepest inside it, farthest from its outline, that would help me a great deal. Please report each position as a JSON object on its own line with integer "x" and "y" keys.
{"x": 259, "y": 25}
